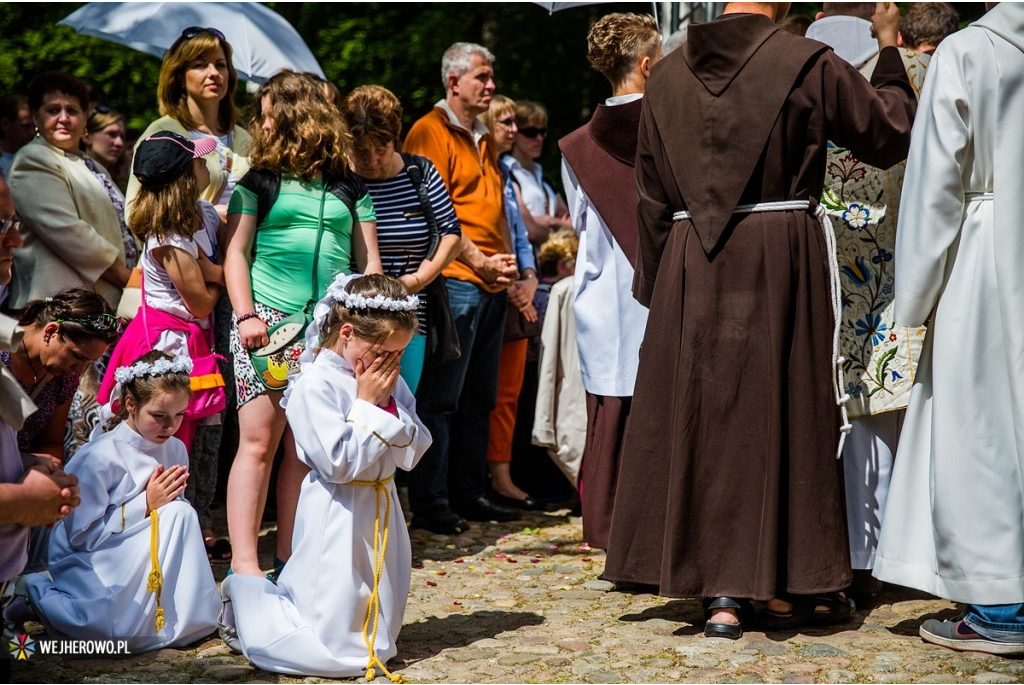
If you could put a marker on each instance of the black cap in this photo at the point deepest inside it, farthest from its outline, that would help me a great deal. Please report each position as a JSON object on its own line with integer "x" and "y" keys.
{"x": 162, "y": 157}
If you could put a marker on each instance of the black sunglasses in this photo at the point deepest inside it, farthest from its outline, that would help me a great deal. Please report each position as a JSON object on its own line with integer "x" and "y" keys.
{"x": 8, "y": 224}
{"x": 533, "y": 131}
{"x": 103, "y": 323}
{"x": 193, "y": 31}
{"x": 507, "y": 121}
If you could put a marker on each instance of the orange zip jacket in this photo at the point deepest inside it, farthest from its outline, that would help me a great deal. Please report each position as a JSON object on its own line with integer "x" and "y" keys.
{"x": 474, "y": 182}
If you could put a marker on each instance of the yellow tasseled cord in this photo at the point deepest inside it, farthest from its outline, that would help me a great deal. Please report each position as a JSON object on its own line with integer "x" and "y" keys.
{"x": 380, "y": 546}
{"x": 156, "y": 578}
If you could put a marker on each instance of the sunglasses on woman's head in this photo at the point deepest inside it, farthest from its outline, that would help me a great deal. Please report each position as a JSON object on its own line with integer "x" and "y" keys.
{"x": 533, "y": 131}
{"x": 101, "y": 109}
{"x": 14, "y": 223}
{"x": 103, "y": 323}
{"x": 193, "y": 31}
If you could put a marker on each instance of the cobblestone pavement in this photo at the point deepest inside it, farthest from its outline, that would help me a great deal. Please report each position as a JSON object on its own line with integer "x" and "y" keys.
{"x": 522, "y": 603}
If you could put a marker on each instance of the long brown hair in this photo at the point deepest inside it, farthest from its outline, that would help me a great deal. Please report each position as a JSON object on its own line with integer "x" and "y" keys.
{"x": 170, "y": 89}
{"x": 309, "y": 133}
{"x": 167, "y": 209}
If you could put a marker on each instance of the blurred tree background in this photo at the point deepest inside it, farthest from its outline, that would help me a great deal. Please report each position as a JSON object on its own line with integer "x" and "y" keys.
{"x": 540, "y": 56}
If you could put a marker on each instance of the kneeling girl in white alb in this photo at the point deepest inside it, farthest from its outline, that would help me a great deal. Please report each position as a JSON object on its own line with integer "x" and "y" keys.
{"x": 129, "y": 562}
{"x": 338, "y": 605}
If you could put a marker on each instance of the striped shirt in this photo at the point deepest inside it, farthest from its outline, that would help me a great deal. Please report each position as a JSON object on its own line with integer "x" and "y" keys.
{"x": 403, "y": 235}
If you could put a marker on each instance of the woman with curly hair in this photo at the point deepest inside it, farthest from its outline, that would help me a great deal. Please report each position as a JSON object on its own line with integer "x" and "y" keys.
{"x": 300, "y": 211}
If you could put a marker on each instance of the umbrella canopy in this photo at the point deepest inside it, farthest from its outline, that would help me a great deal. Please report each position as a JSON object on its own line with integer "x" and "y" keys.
{"x": 262, "y": 42}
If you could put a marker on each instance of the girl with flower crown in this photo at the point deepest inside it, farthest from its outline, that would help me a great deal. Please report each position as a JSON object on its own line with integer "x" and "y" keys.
{"x": 129, "y": 562}
{"x": 338, "y": 605}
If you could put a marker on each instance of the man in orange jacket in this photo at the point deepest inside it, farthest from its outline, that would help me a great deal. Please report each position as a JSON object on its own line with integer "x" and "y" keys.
{"x": 449, "y": 484}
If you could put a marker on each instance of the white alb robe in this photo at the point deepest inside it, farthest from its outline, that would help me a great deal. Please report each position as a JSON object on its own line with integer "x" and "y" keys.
{"x": 610, "y": 324}
{"x": 954, "y": 520}
{"x": 311, "y": 622}
{"x": 100, "y": 556}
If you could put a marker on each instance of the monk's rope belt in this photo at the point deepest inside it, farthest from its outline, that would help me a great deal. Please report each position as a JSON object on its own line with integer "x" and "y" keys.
{"x": 979, "y": 197}
{"x": 380, "y": 546}
{"x": 835, "y": 295}
{"x": 156, "y": 578}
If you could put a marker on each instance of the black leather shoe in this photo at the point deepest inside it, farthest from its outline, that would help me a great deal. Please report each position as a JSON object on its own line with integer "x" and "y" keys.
{"x": 528, "y": 503}
{"x": 483, "y": 509}
{"x": 441, "y": 520}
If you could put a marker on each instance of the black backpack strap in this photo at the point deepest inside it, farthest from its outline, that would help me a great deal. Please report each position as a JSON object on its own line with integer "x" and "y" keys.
{"x": 416, "y": 167}
{"x": 349, "y": 189}
{"x": 265, "y": 185}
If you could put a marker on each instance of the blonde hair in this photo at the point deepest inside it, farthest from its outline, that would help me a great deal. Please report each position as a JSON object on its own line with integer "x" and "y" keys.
{"x": 144, "y": 388}
{"x": 560, "y": 245}
{"x": 309, "y": 133}
{"x": 500, "y": 105}
{"x": 376, "y": 325}
{"x": 616, "y": 41}
{"x": 171, "y": 209}
{"x": 100, "y": 120}
{"x": 170, "y": 89}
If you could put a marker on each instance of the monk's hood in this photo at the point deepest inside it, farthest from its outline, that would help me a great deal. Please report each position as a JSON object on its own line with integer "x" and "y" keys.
{"x": 1007, "y": 22}
{"x": 717, "y": 51}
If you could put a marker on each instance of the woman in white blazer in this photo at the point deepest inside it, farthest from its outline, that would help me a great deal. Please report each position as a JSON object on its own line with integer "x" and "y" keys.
{"x": 73, "y": 231}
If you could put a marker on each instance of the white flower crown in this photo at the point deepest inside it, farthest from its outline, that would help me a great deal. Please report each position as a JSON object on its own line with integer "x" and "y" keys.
{"x": 160, "y": 367}
{"x": 359, "y": 301}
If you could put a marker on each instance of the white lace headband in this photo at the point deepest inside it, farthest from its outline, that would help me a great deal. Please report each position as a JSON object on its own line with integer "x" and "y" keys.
{"x": 358, "y": 301}
{"x": 160, "y": 367}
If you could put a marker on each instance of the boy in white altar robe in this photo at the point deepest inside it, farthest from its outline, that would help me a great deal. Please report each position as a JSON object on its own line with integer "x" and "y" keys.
{"x": 354, "y": 421}
{"x": 954, "y": 519}
{"x": 129, "y": 562}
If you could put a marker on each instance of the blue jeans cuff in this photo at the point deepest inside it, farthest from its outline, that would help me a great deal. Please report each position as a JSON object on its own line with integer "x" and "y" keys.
{"x": 1002, "y": 623}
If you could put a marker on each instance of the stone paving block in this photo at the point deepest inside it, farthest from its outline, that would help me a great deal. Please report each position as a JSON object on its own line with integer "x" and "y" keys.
{"x": 797, "y": 678}
{"x": 968, "y": 666}
{"x": 820, "y": 649}
{"x": 228, "y": 672}
{"x": 991, "y": 677}
{"x": 517, "y": 659}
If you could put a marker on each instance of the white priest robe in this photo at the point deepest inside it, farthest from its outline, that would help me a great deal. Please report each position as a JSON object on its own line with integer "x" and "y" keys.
{"x": 311, "y": 622}
{"x": 100, "y": 555}
{"x": 954, "y": 520}
{"x": 610, "y": 324}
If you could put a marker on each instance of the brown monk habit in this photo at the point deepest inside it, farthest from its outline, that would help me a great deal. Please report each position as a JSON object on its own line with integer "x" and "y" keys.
{"x": 730, "y": 486}
{"x": 602, "y": 155}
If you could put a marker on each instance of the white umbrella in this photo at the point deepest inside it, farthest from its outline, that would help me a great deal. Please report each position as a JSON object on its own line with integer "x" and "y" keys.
{"x": 261, "y": 40}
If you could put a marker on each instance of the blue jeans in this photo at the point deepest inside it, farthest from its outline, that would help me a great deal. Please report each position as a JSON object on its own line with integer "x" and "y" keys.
{"x": 999, "y": 622}
{"x": 454, "y": 401}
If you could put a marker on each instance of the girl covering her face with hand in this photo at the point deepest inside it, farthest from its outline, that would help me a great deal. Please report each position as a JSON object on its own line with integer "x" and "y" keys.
{"x": 355, "y": 422}
{"x": 129, "y": 562}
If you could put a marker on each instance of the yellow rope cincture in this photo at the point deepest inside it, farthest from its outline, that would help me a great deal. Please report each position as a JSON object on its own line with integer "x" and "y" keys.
{"x": 122, "y": 517}
{"x": 380, "y": 546}
{"x": 156, "y": 578}
{"x": 378, "y": 436}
